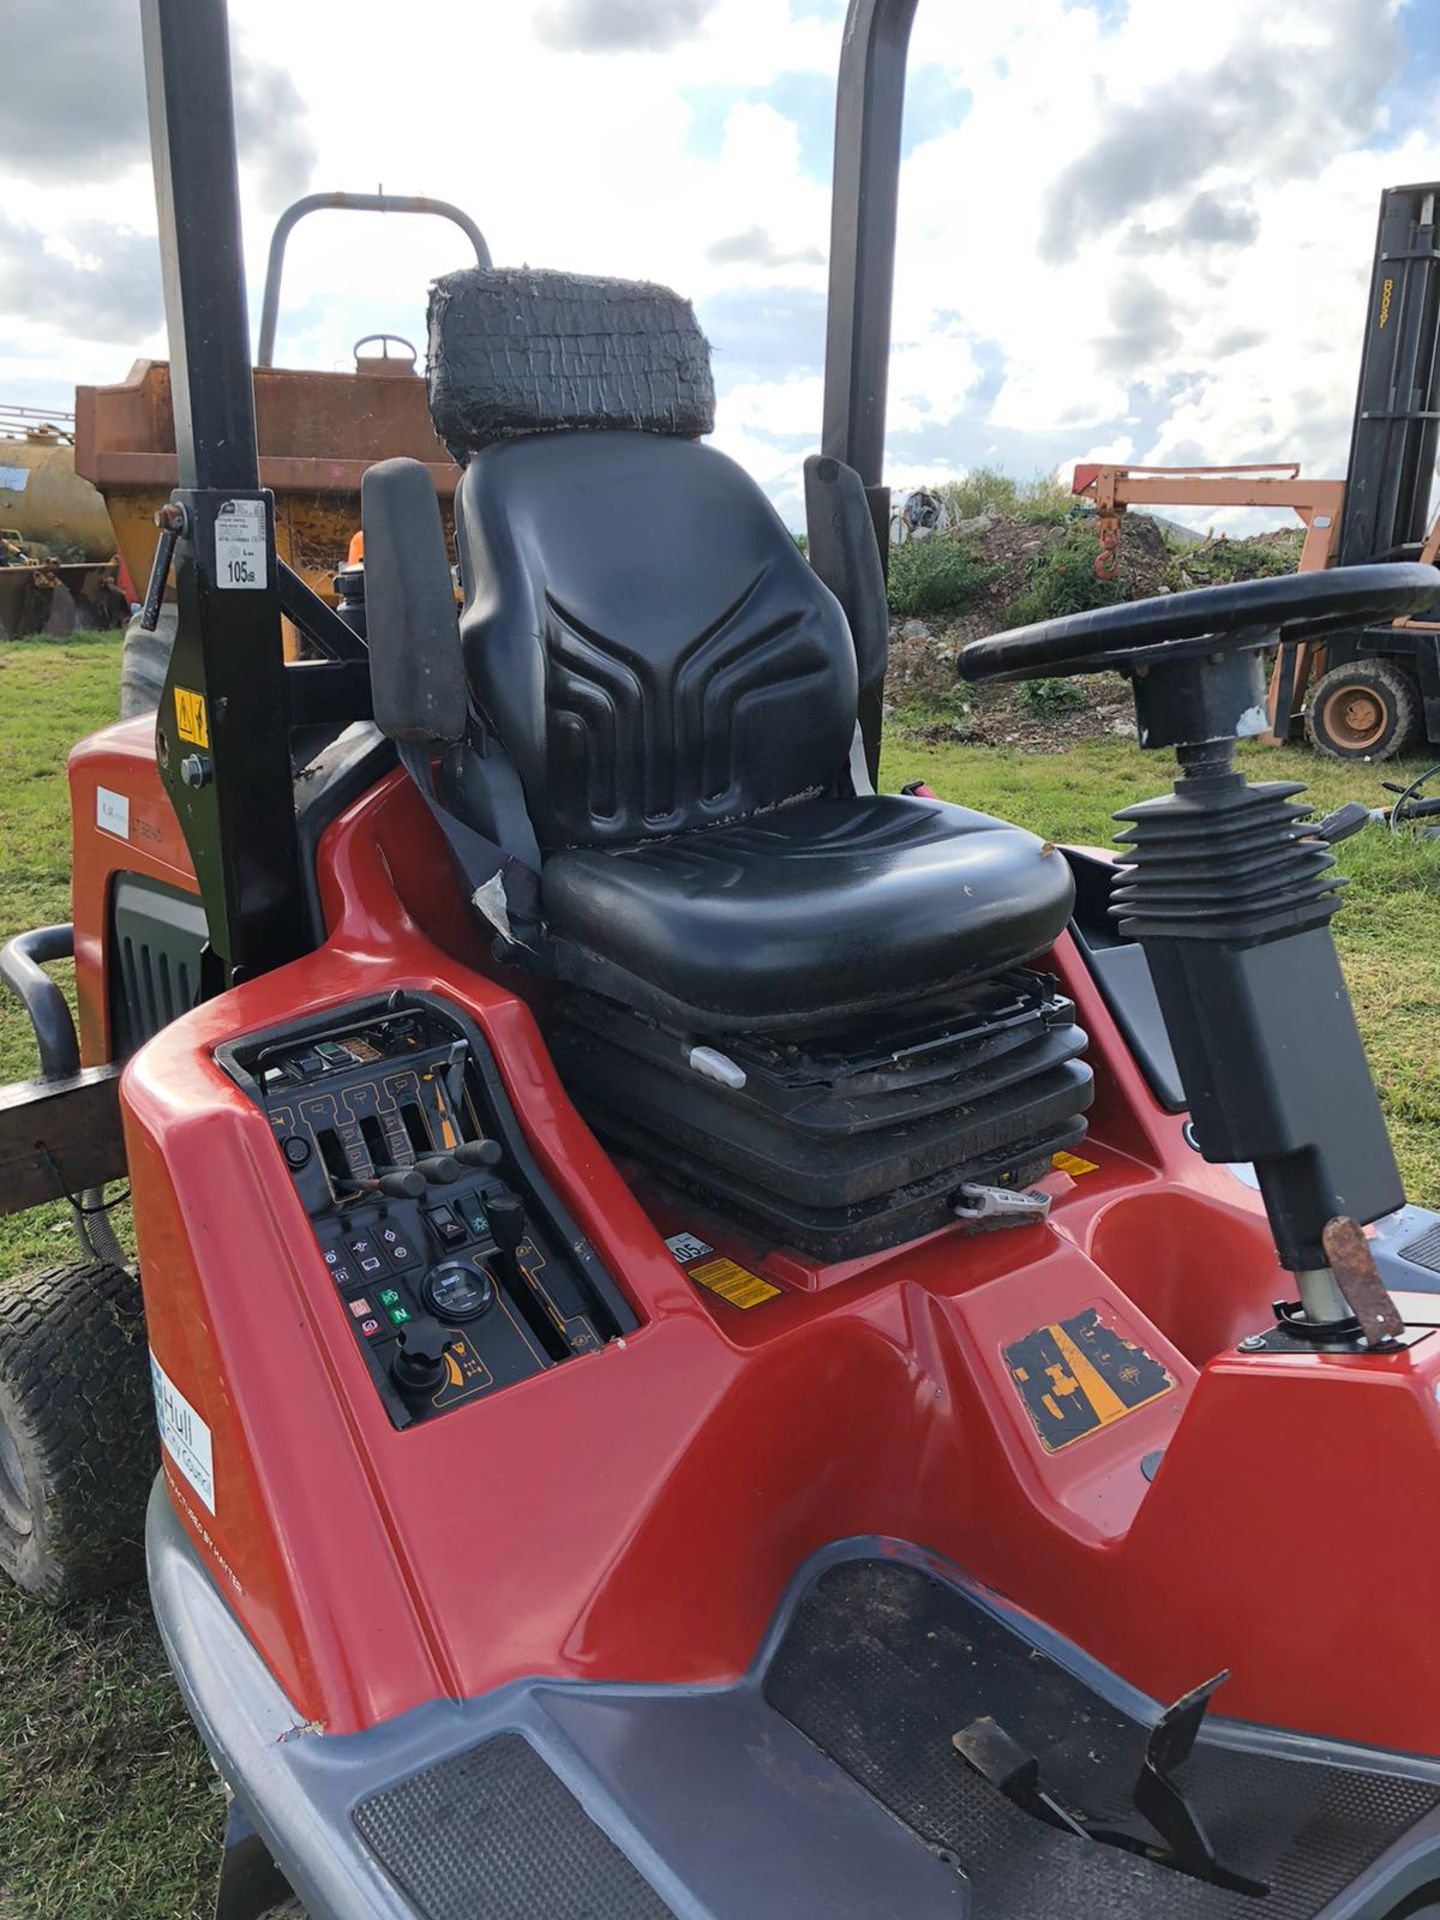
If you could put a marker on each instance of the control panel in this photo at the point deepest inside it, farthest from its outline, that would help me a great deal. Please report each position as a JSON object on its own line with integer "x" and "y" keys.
{"x": 452, "y": 1260}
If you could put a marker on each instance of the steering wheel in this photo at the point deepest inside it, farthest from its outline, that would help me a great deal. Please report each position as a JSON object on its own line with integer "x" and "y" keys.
{"x": 408, "y": 358}
{"x": 1179, "y": 627}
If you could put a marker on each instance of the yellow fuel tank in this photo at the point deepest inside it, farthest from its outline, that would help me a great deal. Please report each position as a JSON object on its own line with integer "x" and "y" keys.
{"x": 45, "y": 501}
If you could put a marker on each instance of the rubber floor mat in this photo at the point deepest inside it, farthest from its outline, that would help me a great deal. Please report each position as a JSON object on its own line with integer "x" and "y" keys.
{"x": 882, "y": 1663}
{"x": 493, "y": 1834}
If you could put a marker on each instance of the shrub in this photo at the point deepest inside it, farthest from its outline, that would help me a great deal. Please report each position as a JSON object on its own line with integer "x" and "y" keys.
{"x": 983, "y": 490}
{"x": 939, "y": 575}
{"x": 1061, "y": 579}
{"x": 1042, "y": 500}
{"x": 1045, "y": 699}
{"x": 1218, "y": 562}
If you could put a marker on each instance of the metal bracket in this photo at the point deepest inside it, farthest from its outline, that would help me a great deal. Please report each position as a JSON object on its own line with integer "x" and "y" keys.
{"x": 1160, "y": 1801}
{"x": 981, "y": 1206}
{"x": 1183, "y": 1843}
{"x": 251, "y": 1886}
{"x": 1358, "y": 1278}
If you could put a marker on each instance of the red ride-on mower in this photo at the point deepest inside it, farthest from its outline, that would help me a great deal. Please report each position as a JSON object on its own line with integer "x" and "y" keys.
{"x": 725, "y": 1344}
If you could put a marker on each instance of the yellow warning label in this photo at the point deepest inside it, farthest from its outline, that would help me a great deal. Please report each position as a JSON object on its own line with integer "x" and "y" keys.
{"x": 191, "y": 721}
{"x": 1072, "y": 1164}
{"x": 733, "y": 1283}
{"x": 1079, "y": 1375}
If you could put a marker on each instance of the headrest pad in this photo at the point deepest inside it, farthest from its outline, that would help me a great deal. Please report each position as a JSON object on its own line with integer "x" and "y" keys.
{"x": 516, "y": 351}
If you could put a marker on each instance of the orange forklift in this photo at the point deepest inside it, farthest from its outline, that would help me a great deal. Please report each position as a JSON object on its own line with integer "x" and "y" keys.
{"x": 1370, "y": 692}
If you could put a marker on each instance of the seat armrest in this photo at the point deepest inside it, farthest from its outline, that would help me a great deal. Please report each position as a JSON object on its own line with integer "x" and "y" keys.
{"x": 417, "y": 673}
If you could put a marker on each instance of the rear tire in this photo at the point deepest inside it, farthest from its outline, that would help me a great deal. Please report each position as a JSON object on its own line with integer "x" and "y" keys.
{"x": 1368, "y": 710}
{"x": 77, "y": 1431}
{"x": 145, "y": 661}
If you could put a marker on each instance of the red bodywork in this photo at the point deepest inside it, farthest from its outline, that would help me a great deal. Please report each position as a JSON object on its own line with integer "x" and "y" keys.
{"x": 636, "y": 1514}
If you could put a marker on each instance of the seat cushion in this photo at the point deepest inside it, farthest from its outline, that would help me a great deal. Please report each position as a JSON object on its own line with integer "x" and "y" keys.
{"x": 806, "y": 914}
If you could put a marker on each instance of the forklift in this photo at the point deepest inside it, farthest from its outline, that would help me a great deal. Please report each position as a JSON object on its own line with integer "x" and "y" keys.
{"x": 1370, "y": 691}
{"x": 724, "y": 1343}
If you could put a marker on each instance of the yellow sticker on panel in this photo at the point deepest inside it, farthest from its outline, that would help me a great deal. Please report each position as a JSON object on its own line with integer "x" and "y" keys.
{"x": 1072, "y": 1164}
{"x": 1079, "y": 1375}
{"x": 191, "y": 721}
{"x": 734, "y": 1283}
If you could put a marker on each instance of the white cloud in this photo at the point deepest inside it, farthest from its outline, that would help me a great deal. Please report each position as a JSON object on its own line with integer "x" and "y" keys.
{"x": 1164, "y": 329}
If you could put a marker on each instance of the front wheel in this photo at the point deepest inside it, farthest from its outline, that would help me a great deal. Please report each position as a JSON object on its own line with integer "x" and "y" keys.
{"x": 1367, "y": 710}
{"x": 77, "y": 1431}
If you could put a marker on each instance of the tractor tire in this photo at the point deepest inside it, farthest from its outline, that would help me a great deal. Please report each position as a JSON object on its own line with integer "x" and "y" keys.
{"x": 144, "y": 662}
{"x": 77, "y": 1431}
{"x": 1368, "y": 710}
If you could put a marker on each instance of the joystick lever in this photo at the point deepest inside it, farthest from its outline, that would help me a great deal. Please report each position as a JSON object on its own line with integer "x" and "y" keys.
{"x": 506, "y": 1213}
{"x": 440, "y": 1169}
{"x": 418, "y": 1366}
{"x": 479, "y": 1153}
{"x": 396, "y": 1183}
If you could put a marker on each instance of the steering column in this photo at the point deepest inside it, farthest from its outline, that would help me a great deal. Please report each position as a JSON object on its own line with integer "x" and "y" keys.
{"x": 1230, "y": 894}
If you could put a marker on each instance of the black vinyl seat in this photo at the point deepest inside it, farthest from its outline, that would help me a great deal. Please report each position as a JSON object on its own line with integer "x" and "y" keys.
{"x": 676, "y": 689}
{"x": 816, "y": 910}
{"x": 804, "y": 1004}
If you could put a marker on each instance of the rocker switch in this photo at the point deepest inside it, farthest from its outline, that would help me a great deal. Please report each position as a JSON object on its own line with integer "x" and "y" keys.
{"x": 449, "y": 1231}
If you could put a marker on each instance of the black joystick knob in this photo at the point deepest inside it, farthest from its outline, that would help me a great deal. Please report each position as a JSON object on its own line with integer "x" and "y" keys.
{"x": 419, "y": 1363}
{"x": 506, "y": 1213}
{"x": 440, "y": 1169}
{"x": 479, "y": 1153}
{"x": 402, "y": 1183}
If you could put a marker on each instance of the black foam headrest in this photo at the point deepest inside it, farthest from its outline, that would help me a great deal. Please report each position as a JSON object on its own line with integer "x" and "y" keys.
{"x": 516, "y": 351}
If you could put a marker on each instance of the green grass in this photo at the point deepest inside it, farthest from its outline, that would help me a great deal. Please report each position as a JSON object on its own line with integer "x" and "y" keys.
{"x": 107, "y": 1804}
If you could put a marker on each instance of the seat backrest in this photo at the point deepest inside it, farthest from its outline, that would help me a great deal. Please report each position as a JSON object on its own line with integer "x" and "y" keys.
{"x": 645, "y": 637}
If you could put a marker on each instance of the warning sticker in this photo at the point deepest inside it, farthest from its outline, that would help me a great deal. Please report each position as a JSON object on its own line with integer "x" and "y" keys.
{"x": 1072, "y": 1164}
{"x": 185, "y": 1435}
{"x": 1076, "y": 1376}
{"x": 192, "y": 723}
{"x": 734, "y": 1284}
{"x": 240, "y": 544}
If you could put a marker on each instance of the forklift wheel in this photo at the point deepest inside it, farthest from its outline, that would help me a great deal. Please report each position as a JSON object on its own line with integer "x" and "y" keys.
{"x": 1368, "y": 710}
{"x": 77, "y": 1431}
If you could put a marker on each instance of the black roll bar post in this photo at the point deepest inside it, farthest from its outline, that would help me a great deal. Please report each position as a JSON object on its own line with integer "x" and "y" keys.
{"x": 869, "y": 115}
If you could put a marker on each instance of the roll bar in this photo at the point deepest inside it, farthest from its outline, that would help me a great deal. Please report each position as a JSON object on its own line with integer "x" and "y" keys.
{"x": 346, "y": 203}
{"x": 230, "y": 700}
{"x": 869, "y": 112}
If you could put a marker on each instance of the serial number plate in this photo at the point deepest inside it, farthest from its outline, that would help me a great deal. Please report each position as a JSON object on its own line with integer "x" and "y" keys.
{"x": 240, "y": 544}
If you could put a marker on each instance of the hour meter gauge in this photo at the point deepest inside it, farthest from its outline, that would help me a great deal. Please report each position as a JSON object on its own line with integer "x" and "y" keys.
{"x": 458, "y": 1290}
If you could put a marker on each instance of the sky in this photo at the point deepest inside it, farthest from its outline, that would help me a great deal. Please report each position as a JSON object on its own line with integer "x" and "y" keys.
{"x": 1129, "y": 229}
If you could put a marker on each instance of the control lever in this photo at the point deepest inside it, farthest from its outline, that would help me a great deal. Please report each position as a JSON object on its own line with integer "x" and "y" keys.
{"x": 396, "y": 1183}
{"x": 506, "y": 1214}
{"x": 440, "y": 1169}
{"x": 479, "y": 1153}
{"x": 419, "y": 1363}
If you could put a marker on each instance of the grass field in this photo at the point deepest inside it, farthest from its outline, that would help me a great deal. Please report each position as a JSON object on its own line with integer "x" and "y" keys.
{"x": 107, "y": 1805}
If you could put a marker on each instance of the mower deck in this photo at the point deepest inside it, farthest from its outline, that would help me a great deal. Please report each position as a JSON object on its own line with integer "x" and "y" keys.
{"x": 824, "y": 1782}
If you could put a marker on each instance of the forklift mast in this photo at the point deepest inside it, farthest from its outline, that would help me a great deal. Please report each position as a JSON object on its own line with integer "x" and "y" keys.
{"x": 1396, "y": 434}
{"x": 1397, "y": 407}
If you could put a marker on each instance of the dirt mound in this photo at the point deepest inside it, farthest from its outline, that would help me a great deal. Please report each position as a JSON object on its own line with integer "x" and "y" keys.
{"x": 1030, "y": 571}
